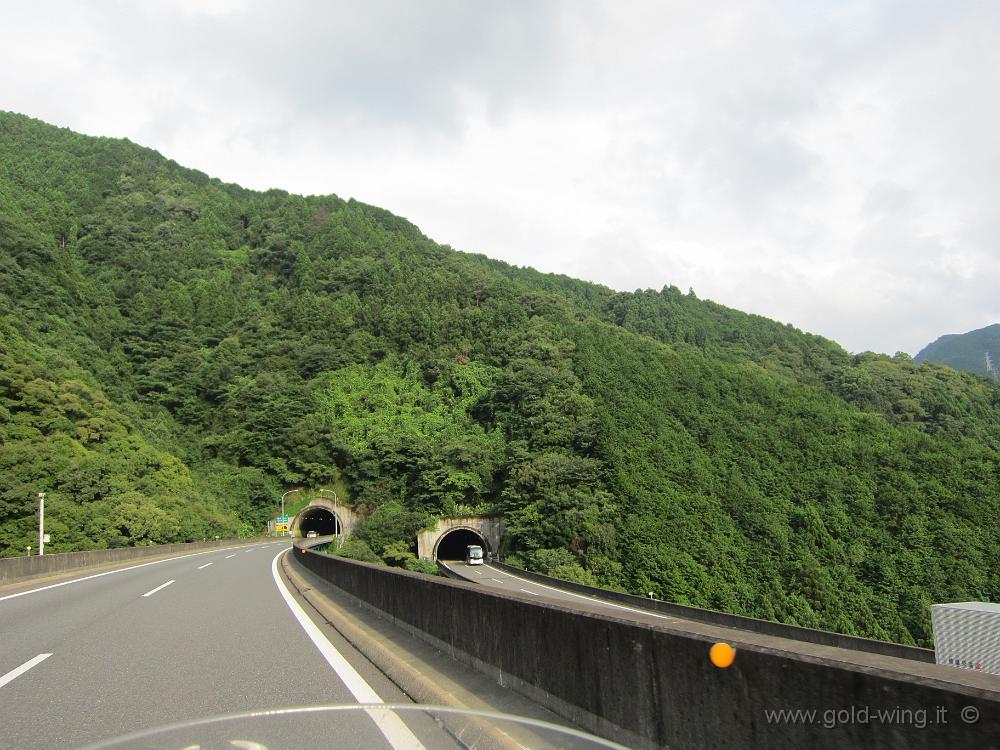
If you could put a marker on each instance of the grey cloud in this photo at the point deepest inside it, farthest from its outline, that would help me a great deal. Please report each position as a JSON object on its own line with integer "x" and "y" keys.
{"x": 381, "y": 64}
{"x": 886, "y": 198}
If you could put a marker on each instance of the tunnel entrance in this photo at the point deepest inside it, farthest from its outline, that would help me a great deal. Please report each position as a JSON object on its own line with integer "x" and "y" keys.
{"x": 320, "y": 520}
{"x": 453, "y": 544}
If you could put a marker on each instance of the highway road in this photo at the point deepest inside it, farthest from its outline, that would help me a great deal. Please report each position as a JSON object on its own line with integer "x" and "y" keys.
{"x": 500, "y": 580}
{"x": 181, "y": 639}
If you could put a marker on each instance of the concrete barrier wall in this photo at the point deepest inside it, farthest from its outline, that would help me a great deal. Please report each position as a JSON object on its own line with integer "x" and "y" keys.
{"x": 445, "y": 571}
{"x": 727, "y": 620}
{"x": 653, "y": 686}
{"x": 20, "y": 568}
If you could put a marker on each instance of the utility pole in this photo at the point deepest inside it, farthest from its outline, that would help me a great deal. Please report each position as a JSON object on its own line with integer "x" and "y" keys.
{"x": 41, "y": 523}
{"x": 283, "y": 503}
{"x": 336, "y": 509}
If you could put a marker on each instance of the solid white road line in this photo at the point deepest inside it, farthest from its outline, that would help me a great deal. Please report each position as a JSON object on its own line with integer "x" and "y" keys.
{"x": 110, "y": 572}
{"x": 204, "y": 566}
{"x": 161, "y": 586}
{"x": 15, "y": 673}
{"x": 395, "y": 731}
{"x": 588, "y": 598}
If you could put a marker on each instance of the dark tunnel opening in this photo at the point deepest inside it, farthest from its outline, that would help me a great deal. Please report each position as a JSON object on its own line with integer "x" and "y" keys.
{"x": 320, "y": 520}
{"x": 453, "y": 544}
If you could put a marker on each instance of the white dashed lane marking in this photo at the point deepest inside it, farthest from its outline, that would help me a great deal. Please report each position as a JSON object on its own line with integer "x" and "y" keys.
{"x": 15, "y": 673}
{"x": 158, "y": 588}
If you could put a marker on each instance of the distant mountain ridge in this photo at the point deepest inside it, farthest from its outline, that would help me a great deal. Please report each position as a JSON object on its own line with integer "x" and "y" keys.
{"x": 976, "y": 351}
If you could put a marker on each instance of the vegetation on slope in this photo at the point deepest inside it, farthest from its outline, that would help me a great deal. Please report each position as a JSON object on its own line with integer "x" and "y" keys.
{"x": 967, "y": 351}
{"x": 222, "y": 343}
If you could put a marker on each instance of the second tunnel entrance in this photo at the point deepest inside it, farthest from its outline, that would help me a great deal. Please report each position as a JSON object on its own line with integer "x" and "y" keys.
{"x": 452, "y": 545}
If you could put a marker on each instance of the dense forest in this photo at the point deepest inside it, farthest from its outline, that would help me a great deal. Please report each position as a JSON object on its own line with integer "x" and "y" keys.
{"x": 175, "y": 351}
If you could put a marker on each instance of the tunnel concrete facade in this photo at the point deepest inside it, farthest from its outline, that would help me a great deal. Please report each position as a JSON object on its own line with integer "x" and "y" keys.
{"x": 488, "y": 528}
{"x": 345, "y": 516}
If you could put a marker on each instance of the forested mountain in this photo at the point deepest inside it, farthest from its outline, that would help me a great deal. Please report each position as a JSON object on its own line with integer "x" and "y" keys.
{"x": 175, "y": 350}
{"x": 976, "y": 351}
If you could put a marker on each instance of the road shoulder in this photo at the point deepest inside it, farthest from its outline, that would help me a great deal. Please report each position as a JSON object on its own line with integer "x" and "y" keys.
{"x": 424, "y": 673}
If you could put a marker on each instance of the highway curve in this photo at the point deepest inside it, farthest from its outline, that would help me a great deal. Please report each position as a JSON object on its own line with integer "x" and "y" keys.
{"x": 185, "y": 638}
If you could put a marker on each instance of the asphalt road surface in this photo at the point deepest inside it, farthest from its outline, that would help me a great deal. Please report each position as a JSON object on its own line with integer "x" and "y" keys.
{"x": 500, "y": 580}
{"x": 182, "y": 639}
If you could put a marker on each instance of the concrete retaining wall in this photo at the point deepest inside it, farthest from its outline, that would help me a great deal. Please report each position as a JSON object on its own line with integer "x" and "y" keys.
{"x": 714, "y": 617}
{"x": 19, "y": 568}
{"x": 653, "y": 686}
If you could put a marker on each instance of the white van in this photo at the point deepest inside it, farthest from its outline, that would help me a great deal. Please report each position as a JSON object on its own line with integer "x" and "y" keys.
{"x": 473, "y": 555}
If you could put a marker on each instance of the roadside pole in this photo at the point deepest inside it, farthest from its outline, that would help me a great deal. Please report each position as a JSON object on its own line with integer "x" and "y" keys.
{"x": 286, "y": 531}
{"x": 41, "y": 523}
{"x": 336, "y": 509}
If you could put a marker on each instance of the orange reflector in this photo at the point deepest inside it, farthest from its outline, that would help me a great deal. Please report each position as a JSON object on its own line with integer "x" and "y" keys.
{"x": 722, "y": 655}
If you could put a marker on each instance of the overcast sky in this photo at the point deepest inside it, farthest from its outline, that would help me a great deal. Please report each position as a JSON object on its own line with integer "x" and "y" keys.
{"x": 831, "y": 165}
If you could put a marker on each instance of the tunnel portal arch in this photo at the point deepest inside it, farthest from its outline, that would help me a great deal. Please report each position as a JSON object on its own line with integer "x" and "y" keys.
{"x": 321, "y": 515}
{"x": 485, "y": 531}
{"x": 324, "y": 522}
{"x": 453, "y": 543}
